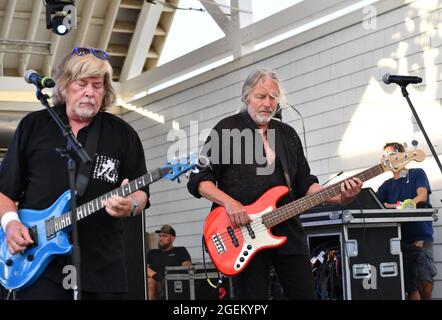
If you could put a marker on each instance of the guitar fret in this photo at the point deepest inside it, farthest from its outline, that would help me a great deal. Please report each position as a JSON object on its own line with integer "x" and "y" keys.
{"x": 80, "y": 213}
{"x": 59, "y": 223}
{"x": 295, "y": 208}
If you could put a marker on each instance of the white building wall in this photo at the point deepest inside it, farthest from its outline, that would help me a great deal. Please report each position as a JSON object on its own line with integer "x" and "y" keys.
{"x": 335, "y": 82}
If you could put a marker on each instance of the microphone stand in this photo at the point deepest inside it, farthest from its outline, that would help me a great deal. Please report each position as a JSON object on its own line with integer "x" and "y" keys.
{"x": 405, "y": 94}
{"x": 334, "y": 177}
{"x": 72, "y": 147}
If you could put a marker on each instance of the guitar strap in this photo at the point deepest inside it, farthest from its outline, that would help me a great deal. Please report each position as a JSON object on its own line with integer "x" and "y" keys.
{"x": 282, "y": 152}
{"x": 84, "y": 170}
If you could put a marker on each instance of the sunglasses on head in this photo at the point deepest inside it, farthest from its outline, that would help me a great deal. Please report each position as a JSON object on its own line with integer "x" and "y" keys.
{"x": 100, "y": 54}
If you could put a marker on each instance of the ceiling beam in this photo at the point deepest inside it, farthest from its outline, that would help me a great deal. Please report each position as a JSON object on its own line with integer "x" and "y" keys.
{"x": 37, "y": 7}
{"x": 49, "y": 60}
{"x": 86, "y": 15}
{"x": 239, "y": 19}
{"x": 6, "y": 27}
{"x": 218, "y": 16}
{"x": 262, "y": 30}
{"x": 141, "y": 40}
{"x": 106, "y": 30}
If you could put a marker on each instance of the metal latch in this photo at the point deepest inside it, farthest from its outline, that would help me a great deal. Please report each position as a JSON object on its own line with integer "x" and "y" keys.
{"x": 178, "y": 286}
{"x": 351, "y": 246}
{"x": 395, "y": 246}
{"x": 388, "y": 269}
{"x": 361, "y": 271}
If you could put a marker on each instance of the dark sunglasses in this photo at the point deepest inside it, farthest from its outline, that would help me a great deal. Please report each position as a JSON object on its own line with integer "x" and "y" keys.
{"x": 100, "y": 54}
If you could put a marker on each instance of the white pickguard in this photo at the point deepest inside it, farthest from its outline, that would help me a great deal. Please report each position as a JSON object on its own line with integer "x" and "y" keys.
{"x": 262, "y": 238}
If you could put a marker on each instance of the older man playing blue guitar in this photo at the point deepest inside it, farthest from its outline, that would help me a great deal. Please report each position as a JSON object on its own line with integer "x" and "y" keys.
{"x": 35, "y": 176}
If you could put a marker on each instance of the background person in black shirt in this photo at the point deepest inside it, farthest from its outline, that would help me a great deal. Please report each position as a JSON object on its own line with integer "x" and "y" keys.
{"x": 165, "y": 256}
{"x": 34, "y": 175}
{"x": 233, "y": 184}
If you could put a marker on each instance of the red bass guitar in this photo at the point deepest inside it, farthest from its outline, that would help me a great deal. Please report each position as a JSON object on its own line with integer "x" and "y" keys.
{"x": 231, "y": 249}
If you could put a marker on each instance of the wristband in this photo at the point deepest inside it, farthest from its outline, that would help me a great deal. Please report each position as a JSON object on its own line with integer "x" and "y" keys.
{"x": 8, "y": 217}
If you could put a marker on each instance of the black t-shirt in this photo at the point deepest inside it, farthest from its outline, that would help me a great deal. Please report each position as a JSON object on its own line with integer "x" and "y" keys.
{"x": 158, "y": 259}
{"x": 35, "y": 175}
{"x": 241, "y": 181}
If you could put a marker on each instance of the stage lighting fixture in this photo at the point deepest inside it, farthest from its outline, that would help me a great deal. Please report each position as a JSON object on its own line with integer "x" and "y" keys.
{"x": 61, "y": 16}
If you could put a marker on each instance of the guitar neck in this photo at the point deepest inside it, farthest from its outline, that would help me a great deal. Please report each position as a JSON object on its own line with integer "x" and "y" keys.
{"x": 297, "y": 207}
{"x": 92, "y": 206}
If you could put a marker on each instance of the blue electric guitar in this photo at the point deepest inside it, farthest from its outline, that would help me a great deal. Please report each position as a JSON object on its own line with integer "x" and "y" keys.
{"x": 49, "y": 228}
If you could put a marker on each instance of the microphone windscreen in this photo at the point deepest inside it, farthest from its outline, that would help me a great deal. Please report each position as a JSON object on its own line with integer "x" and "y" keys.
{"x": 385, "y": 78}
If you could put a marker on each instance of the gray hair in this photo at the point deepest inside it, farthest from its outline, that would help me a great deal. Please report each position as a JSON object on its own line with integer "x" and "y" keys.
{"x": 258, "y": 76}
{"x": 74, "y": 67}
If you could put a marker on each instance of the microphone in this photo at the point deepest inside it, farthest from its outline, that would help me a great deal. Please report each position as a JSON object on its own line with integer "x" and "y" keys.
{"x": 334, "y": 177}
{"x": 400, "y": 80}
{"x": 278, "y": 112}
{"x": 31, "y": 76}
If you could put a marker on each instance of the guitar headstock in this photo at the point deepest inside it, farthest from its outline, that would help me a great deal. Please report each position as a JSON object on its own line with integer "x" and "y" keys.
{"x": 180, "y": 166}
{"x": 396, "y": 161}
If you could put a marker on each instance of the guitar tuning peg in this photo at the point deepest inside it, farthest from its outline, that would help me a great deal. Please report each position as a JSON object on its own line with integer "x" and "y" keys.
{"x": 195, "y": 170}
{"x": 178, "y": 180}
{"x": 414, "y": 143}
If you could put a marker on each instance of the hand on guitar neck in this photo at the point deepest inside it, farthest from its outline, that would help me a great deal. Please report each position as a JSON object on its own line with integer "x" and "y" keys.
{"x": 120, "y": 207}
{"x": 238, "y": 214}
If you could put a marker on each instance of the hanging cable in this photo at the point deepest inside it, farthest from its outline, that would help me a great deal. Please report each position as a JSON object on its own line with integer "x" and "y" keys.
{"x": 220, "y": 275}
{"x": 303, "y": 128}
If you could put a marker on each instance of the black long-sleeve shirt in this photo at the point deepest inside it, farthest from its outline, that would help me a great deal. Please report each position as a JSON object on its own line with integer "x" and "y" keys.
{"x": 239, "y": 179}
{"x": 33, "y": 174}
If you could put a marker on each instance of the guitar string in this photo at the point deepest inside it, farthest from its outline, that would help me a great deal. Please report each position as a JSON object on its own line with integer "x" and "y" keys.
{"x": 227, "y": 241}
{"x": 65, "y": 219}
{"x": 281, "y": 213}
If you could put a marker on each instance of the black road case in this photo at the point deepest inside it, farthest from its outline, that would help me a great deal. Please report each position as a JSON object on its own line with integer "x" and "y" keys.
{"x": 356, "y": 254}
{"x": 190, "y": 283}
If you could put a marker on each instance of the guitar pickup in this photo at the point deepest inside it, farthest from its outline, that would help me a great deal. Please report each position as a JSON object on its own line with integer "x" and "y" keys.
{"x": 250, "y": 231}
{"x": 232, "y": 236}
{"x": 33, "y": 232}
{"x": 50, "y": 228}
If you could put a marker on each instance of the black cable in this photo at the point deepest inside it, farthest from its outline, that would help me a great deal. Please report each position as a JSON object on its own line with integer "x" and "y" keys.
{"x": 303, "y": 129}
{"x": 220, "y": 275}
{"x": 170, "y": 5}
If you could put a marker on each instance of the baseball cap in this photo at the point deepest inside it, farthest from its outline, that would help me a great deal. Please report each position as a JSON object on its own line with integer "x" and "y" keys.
{"x": 167, "y": 229}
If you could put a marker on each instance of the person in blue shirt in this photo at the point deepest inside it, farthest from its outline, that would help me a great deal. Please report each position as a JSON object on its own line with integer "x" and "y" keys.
{"x": 417, "y": 237}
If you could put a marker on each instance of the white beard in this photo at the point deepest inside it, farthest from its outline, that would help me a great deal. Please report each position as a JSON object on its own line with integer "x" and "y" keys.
{"x": 262, "y": 120}
{"x": 84, "y": 113}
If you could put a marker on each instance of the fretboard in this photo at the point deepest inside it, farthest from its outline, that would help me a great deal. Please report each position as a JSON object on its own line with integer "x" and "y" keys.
{"x": 92, "y": 206}
{"x": 297, "y": 207}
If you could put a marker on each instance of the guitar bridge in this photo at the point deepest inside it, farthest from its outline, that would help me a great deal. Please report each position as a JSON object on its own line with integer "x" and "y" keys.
{"x": 219, "y": 244}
